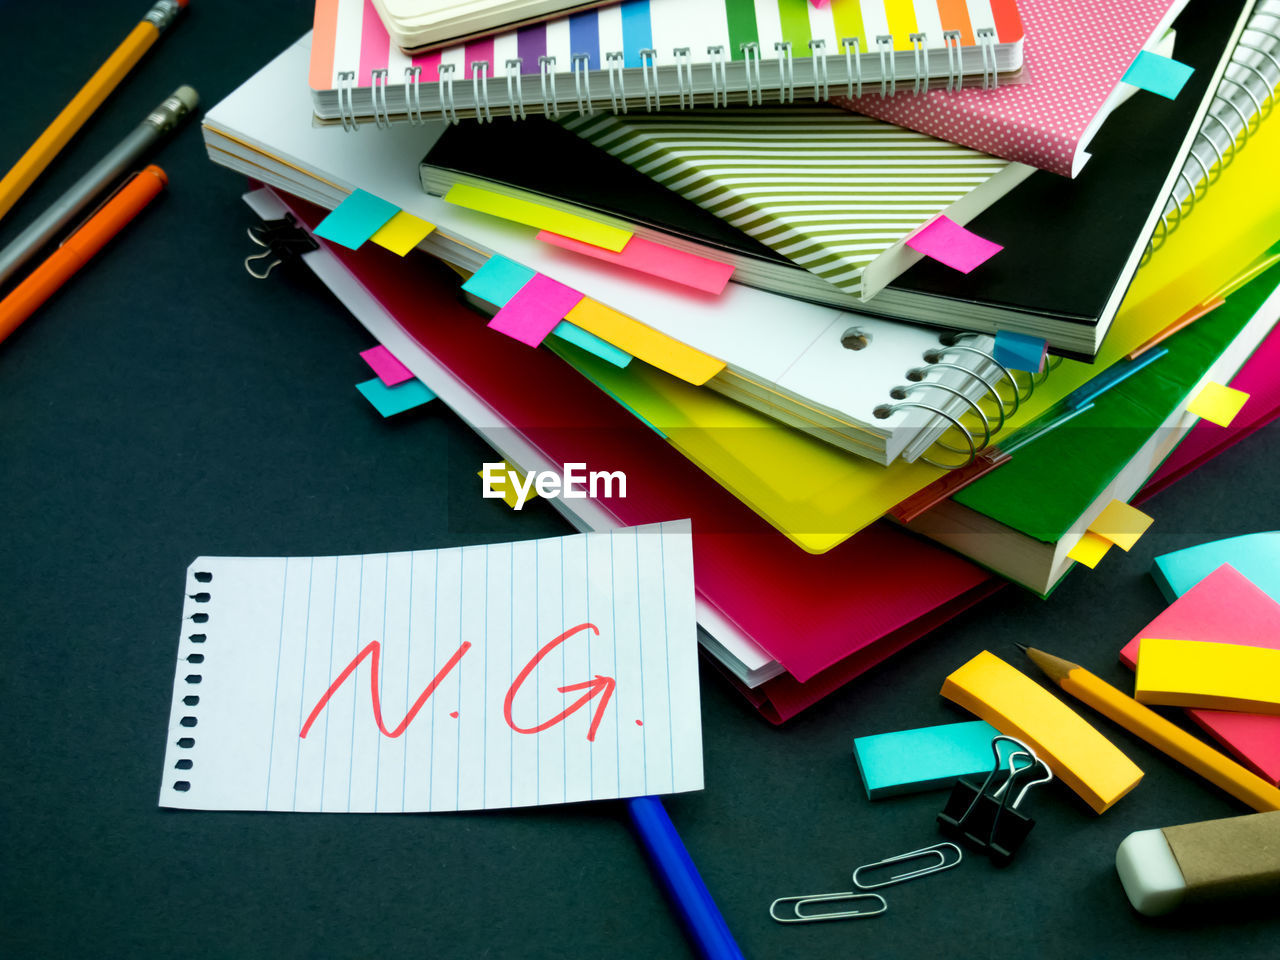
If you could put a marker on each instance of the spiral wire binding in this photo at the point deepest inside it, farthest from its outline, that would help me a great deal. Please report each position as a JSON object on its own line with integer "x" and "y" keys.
{"x": 549, "y": 108}
{"x": 937, "y": 360}
{"x": 649, "y": 66}
{"x": 852, "y": 63}
{"x": 617, "y": 90}
{"x": 719, "y": 77}
{"x": 786, "y": 72}
{"x": 821, "y": 84}
{"x": 888, "y": 65}
{"x": 1180, "y": 203}
{"x": 346, "y": 106}
{"x": 751, "y": 57}
{"x": 482, "y": 71}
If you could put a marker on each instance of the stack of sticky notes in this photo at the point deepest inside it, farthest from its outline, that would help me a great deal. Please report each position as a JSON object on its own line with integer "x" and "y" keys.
{"x": 1216, "y": 651}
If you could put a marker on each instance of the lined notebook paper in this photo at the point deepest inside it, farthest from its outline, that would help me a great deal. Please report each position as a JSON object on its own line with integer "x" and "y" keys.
{"x": 506, "y": 675}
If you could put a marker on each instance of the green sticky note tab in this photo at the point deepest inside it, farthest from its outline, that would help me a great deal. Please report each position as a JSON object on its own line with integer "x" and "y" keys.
{"x": 389, "y": 401}
{"x": 1152, "y": 72}
{"x": 498, "y": 280}
{"x": 591, "y": 343}
{"x": 356, "y": 219}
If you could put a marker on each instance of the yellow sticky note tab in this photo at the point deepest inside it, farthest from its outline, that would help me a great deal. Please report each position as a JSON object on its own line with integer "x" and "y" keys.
{"x": 654, "y": 348}
{"x": 1215, "y": 676}
{"x": 1017, "y": 706}
{"x": 536, "y": 215}
{"x": 1090, "y": 550}
{"x": 1121, "y": 524}
{"x": 1218, "y": 404}
{"x": 402, "y": 233}
{"x": 504, "y": 486}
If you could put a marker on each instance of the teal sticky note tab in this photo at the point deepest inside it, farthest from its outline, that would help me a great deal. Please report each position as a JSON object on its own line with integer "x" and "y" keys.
{"x": 498, "y": 280}
{"x": 1255, "y": 555}
{"x": 589, "y": 342}
{"x": 1018, "y": 351}
{"x": 389, "y": 401}
{"x": 356, "y": 219}
{"x": 1152, "y": 72}
{"x": 927, "y": 758}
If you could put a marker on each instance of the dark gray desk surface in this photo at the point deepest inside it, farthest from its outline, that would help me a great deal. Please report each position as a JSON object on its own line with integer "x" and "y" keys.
{"x": 164, "y": 405}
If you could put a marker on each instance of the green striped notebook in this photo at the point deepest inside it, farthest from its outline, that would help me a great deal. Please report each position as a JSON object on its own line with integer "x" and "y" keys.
{"x": 833, "y": 192}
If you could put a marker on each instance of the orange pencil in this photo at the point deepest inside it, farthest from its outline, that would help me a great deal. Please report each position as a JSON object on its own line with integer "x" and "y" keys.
{"x": 79, "y": 248}
{"x": 73, "y": 116}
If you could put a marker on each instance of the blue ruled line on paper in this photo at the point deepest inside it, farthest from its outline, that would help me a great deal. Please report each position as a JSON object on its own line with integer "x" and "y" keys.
{"x": 275, "y": 697}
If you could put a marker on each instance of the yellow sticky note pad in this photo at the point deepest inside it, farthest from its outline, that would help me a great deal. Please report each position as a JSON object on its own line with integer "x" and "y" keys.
{"x": 536, "y": 215}
{"x": 1120, "y": 524}
{"x": 1218, "y": 404}
{"x": 654, "y": 348}
{"x": 1017, "y": 706}
{"x": 402, "y": 233}
{"x": 504, "y": 486}
{"x": 1090, "y": 549}
{"x": 1216, "y": 676}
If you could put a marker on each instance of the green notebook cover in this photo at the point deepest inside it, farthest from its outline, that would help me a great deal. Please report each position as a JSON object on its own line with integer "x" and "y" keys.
{"x": 1050, "y": 482}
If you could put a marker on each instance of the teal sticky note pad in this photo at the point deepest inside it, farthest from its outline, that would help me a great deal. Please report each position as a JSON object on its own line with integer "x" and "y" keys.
{"x": 389, "y": 401}
{"x": 589, "y": 342}
{"x": 498, "y": 280}
{"x": 1157, "y": 74}
{"x": 1255, "y": 555}
{"x": 356, "y": 219}
{"x": 927, "y": 758}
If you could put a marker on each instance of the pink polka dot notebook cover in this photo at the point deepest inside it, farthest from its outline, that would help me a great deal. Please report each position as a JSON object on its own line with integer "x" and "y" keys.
{"x": 1075, "y": 53}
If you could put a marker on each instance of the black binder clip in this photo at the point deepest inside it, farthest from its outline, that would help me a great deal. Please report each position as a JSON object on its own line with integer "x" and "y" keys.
{"x": 985, "y": 817}
{"x": 282, "y": 240}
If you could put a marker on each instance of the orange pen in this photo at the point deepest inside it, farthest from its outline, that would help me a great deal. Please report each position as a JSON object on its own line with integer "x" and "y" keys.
{"x": 107, "y": 77}
{"x": 79, "y": 248}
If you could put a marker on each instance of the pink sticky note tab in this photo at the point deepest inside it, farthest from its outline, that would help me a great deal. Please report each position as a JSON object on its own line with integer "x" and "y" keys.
{"x": 535, "y": 310}
{"x": 687, "y": 269}
{"x": 947, "y": 242}
{"x": 819, "y": 4}
{"x": 389, "y": 370}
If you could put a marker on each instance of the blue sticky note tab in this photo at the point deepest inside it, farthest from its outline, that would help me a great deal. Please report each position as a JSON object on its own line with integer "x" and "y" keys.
{"x": 1157, "y": 74}
{"x": 928, "y": 758}
{"x": 603, "y": 349}
{"x": 498, "y": 280}
{"x": 1254, "y": 555}
{"x": 1018, "y": 351}
{"x": 356, "y": 219}
{"x": 389, "y": 401}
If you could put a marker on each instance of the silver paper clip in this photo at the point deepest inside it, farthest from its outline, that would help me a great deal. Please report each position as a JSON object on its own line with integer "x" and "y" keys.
{"x": 794, "y": 905}
{"x": 948, "y": 855}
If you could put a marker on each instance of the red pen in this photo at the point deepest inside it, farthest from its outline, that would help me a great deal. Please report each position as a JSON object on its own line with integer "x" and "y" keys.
{"x": 79, "y": 248}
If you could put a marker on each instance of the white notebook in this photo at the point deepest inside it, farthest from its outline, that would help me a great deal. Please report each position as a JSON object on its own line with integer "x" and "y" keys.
{"x": 661, "y": 54}
{"x": 501, "y": 675}
{"x": 785, "y": 357}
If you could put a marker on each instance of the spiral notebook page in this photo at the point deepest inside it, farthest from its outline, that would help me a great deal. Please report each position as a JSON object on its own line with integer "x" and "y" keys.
{"x": 515, "y": 674}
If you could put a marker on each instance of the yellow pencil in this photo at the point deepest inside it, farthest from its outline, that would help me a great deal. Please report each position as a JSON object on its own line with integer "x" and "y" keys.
{"x": 73, "y": 116}
{"x": 1167, "y": 737}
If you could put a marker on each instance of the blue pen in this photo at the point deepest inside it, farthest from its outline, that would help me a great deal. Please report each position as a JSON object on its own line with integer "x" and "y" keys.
{"x": 680, "y": 877}
{"x": 1109, "y": 378}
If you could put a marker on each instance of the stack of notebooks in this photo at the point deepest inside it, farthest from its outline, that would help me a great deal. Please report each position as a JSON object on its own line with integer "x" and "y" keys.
{"x": 716, "y": 289}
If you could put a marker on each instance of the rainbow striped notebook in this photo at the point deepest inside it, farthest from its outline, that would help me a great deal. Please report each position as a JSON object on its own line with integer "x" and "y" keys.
{"x": 662, "y": 54}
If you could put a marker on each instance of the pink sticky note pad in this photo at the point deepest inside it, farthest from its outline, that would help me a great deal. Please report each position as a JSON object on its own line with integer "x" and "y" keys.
{"x": 947, "y": 242}
{"x": 535, "y": 310}
{"x": 687, "y": 269}
{"x": 1225, "y": 607}
{"x": 389, "y": 370}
